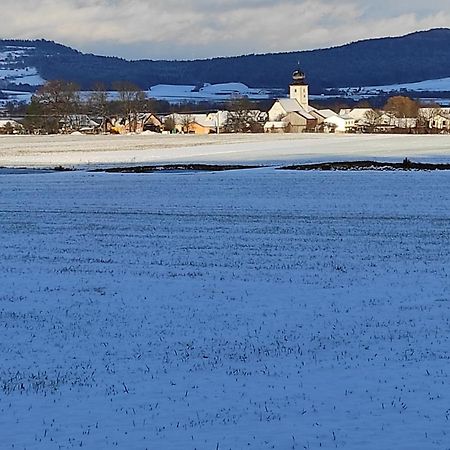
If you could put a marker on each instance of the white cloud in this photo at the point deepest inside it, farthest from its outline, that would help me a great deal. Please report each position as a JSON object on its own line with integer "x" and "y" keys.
{"x": 206, "y": 28}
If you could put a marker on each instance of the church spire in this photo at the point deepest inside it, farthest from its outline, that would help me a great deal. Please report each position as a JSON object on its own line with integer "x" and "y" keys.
{"x": 298, "y": 89}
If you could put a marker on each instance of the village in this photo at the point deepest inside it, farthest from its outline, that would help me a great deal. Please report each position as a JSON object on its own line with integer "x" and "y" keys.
{"x": 53, "y": 113}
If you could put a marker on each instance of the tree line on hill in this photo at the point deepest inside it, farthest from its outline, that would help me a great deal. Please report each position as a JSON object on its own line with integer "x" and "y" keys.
{"x": 415, "y": 57}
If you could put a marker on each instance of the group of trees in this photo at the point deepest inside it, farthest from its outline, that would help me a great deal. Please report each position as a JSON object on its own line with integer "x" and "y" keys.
{"x": 57, "y": 102}
{"x": 243, "y": 117}
{"x": 402, "y": 107}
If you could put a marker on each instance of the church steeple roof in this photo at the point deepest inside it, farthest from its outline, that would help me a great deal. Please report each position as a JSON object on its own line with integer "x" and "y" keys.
{"x": 298, "y": 77}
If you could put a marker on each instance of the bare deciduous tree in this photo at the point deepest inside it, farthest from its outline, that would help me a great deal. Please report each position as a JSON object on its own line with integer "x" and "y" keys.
{"x": 373, "y": 119}
{"x": 98, "y": 102}
{"x": 131, "y": 99}
{"x": 56, "y": 101}
{"x": 186, "y": 122}
{"x": 243, "y": 117}
{"x": 427, "y": 116}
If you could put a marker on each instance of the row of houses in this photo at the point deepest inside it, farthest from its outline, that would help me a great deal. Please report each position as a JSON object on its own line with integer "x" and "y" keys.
{"x": 287, "y": 115}
{"x": 295, "y": 115}
{"x": 213, "y": 122}
{"x": 189, "y": 123}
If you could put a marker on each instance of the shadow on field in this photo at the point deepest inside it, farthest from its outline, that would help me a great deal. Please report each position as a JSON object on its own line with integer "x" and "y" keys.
{"x": 175, "y": 168}
{"x": 406, "y": 164}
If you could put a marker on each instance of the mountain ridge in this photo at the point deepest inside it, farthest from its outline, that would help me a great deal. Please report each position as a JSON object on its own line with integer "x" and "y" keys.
{"x": 387, "y": 60}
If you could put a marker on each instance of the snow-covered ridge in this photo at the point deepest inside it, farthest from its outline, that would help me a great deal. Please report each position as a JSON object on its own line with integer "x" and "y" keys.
{"x": 209, "y": 92}
{"x": 437, "y": 85}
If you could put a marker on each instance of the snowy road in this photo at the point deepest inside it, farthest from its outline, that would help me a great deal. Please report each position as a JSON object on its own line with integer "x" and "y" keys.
{"x": 252, "y": 309}
{"x": 76, "y": 151}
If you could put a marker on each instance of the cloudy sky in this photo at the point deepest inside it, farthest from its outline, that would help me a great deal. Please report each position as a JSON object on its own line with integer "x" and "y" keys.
{"x": 186, "y": 29}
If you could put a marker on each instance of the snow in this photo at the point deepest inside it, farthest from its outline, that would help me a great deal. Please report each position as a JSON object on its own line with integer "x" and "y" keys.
{"x": 439, "y": 85}
{"x": 16, "y": 96}
{"x": 22, "y": 76}
{"x": 171, "y": 93}
{"x": 50, "y": 151}
{"x": 366, "y": 92}
{"x": 11, "y": 70}
{"x": 209, "y": 92}
{"x": 254, "y": 309}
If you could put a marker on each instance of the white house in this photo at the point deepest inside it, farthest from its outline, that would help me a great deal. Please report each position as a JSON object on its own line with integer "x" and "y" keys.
{"x": 199, "y": 123}
{"x": 322, "y": 114}
{"x": 283, "y": 106}
{"x": 389, "y": 120}
{"x": 440, "y": 121}
{"x": 78, "y": 122}
{"x": 437, "y": 118}
{"x": 361, "y": 115}
{"x": 275, "y": 127}
{"x": 340, "y": 124}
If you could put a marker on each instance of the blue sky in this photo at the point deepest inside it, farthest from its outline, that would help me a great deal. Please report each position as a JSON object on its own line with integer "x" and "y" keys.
{"x": 185, "y": 29}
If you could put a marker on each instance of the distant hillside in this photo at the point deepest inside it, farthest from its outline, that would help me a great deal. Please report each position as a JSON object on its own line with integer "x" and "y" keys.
{"x": 415, "y": 57}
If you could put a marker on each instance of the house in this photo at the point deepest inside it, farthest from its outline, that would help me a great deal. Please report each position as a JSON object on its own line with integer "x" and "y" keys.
{"x": 440, "y": 121}
{"x": 340, "y": 124}
{"x": 10, "y": 126}
{"x": 294, "y": 117}
{"x": 435, "y": 118}
{"x": 148, "y": 122}
{"x": 283, "y": 107}
{"x": 195, "y": 123}
{"x": 363, "y": 116}
{"x": 213, "y": 122}
{"x": 135, "y": 123}
{"x": 275, "y": 127}
{"x": 219, "y": 118}
{"x": 299, "y": 122}
{"x": 388, "y": 120}
{"x": 322, "y": 114}
{"x": 78, "y": 122}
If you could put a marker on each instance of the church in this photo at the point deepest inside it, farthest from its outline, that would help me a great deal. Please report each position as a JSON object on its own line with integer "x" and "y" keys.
{"x": 294, "y": 114}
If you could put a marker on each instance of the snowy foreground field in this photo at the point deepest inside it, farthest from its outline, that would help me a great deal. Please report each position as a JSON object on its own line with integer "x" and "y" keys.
{"x": 89, "y": 151}
{"x": 242, "y": 310}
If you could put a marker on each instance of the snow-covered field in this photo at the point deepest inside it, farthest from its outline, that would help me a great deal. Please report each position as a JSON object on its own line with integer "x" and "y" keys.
{"x": 210, "y": 92}
{"x": 74, "y": 151}
{"x": 251, "y": 309}
{"x": 438, "y": 85}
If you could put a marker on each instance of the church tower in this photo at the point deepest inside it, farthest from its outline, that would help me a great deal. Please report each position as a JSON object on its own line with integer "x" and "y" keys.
{"x": 299, "y": 89}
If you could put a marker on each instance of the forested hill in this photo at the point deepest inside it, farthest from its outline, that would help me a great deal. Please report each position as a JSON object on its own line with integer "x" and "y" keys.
{"x": 415, "y": 57}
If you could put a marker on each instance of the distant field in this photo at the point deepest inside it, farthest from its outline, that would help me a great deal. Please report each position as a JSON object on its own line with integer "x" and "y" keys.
{"x": 255, "y": 310}
{"x": 84, "y": 151}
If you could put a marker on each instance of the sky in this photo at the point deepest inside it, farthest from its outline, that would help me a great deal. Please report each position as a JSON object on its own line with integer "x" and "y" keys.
{"x": 188, "y": 29}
